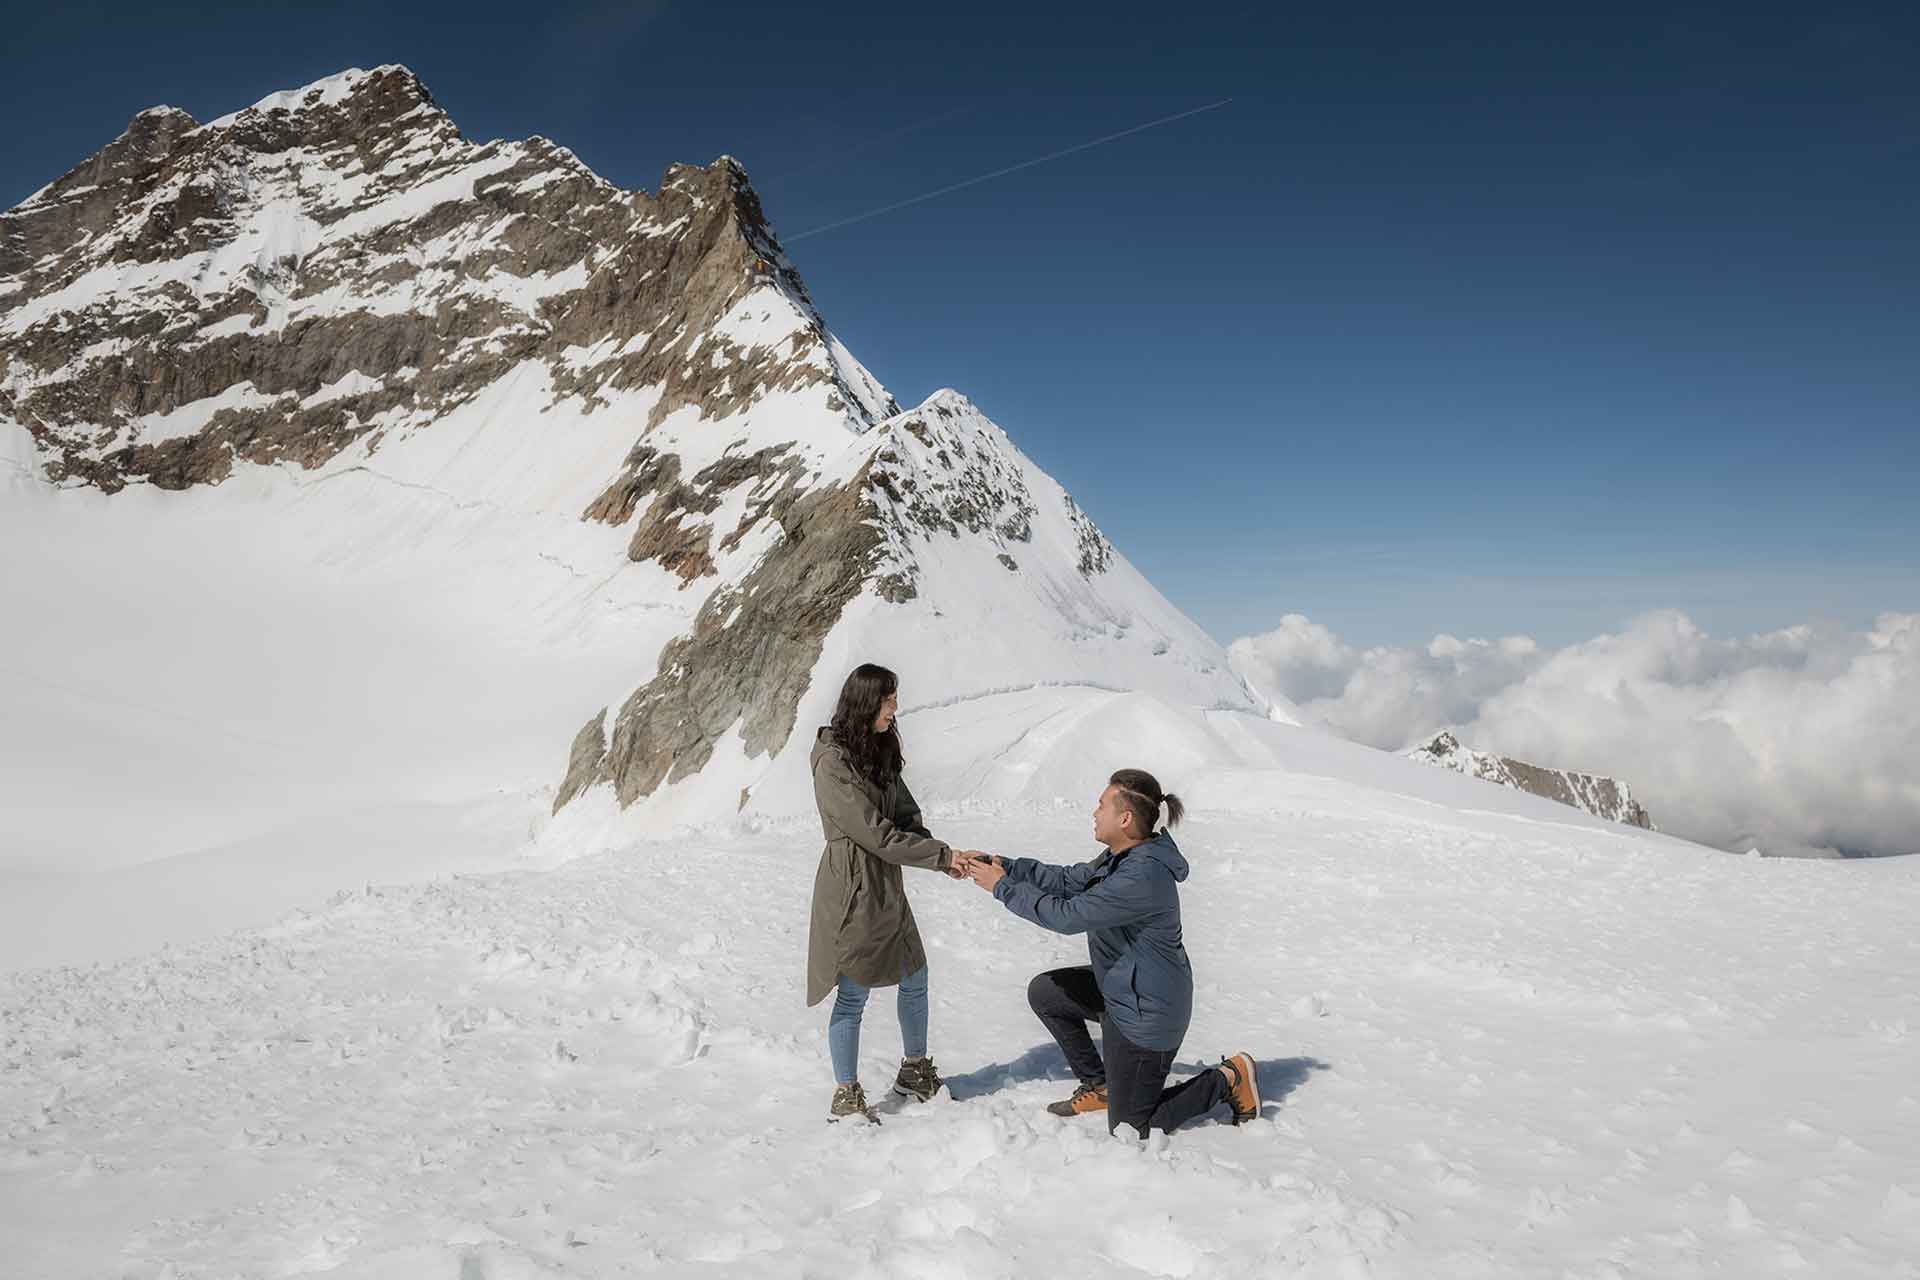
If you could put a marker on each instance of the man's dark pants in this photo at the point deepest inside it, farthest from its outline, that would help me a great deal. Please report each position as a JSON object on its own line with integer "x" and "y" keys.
{"x": 1066, "y": 1000}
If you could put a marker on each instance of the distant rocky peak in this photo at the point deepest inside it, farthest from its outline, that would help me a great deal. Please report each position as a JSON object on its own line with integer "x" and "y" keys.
{"x": 1600, "y": 796}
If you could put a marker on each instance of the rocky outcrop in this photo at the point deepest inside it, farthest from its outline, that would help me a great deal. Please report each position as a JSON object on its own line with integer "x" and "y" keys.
{"x": 671, "y": 530}
{"x": 1600, "y": 796}
{"x": 752, "y": 649}
{"x": 584, "y": 760}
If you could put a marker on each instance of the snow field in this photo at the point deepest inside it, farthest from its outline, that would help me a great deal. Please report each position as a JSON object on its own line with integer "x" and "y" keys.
{"x": 222, "y": 704}
{"x": 1487, "y": 1050}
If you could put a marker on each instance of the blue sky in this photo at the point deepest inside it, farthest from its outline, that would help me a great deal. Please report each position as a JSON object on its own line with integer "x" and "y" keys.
{"x": 1474, "y": 321}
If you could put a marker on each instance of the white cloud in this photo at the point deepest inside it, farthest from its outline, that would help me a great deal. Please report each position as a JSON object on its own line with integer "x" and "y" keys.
{"x": 1798, "y": 740}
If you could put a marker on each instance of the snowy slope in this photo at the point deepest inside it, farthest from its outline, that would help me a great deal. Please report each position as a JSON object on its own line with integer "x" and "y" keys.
{"x": 201, "y": 683}
{"x": 1492, "y": 1045}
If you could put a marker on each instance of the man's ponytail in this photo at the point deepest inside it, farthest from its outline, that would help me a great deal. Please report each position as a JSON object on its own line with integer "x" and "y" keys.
{"x": 1140, "y": 792}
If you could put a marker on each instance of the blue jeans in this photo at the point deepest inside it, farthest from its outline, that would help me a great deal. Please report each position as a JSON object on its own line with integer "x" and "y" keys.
{"x": 843, "y": 1027}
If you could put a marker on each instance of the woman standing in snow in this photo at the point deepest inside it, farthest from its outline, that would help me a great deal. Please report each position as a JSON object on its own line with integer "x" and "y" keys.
{"x": 862, "y": 933}
{"x": 1139, "y": 986}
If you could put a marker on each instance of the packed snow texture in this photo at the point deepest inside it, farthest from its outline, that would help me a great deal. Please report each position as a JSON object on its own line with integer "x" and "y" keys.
{"x": 1798, "y": 741}
{"x": 1492, "y": 1044}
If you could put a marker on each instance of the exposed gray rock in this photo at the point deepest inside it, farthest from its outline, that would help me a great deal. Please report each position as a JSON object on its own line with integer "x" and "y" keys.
{"x": 664, "y": 532}
{"x": 1600, "y": 796}
{"x": 585, "y": 760}
{"x": 753, "y": 647}
{"x": 1096, "y": 553}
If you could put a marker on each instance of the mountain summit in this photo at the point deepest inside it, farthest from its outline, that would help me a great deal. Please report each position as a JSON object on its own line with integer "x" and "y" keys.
{"x": 337, "y": 266}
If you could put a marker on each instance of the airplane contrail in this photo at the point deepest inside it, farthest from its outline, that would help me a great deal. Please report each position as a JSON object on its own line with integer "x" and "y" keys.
{"x": 1001, "y": 173}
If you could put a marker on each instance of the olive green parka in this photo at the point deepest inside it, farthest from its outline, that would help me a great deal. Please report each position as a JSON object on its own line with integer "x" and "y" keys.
{"x": 862, "y": 924}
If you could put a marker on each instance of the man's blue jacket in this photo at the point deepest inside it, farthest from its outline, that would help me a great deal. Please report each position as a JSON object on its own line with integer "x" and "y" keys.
{"x": 1128, "y": 905}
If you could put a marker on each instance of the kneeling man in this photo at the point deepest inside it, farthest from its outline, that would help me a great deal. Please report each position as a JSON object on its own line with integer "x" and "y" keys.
{"x": 1139, "y": 986}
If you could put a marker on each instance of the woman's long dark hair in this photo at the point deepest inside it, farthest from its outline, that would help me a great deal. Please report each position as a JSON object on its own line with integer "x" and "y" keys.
{"x": 875, "y": 755}
{"x": 1140, "y": 792}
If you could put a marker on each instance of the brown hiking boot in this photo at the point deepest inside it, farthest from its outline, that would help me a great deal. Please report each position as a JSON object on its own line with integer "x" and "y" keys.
{"x": 917, "y": 1079}
{"x": 1088, "y": 1097}
{"x": 850, "y": 1101}
{"x": 1243, "y": 1088}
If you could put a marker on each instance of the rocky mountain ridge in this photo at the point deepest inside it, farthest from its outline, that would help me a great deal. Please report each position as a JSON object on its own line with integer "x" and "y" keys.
{"x": 338, "y": 263}
{"x": 1602, "y": 797}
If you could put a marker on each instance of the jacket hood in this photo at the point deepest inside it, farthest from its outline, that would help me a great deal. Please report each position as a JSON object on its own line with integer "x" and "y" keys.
{"x": 1164, "y": 851}
{"x": 823, "y": 742}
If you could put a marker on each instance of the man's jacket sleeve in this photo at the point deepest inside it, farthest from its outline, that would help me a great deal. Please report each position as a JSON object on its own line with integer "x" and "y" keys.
{"x": 1047, "y": 877}
{"x": 1119, "y": 899}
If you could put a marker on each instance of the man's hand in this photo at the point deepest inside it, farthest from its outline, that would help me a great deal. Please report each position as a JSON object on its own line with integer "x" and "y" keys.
{"x": 986, "y": 871}
{"x": 962, "y": 864}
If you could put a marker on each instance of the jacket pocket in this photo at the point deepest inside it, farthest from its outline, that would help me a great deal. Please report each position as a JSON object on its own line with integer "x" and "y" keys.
{"x": 852, "y": 857}
{"x": 1146, "y": 1003}
{"x": 1118, "y": 989}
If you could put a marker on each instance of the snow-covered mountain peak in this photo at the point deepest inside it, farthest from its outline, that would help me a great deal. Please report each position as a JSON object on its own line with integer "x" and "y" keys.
{"x": 335, "y": 269}
{"x": 390, "y": 90}
{"x": 161, "y": 113}
{"x": 335, "y": 281}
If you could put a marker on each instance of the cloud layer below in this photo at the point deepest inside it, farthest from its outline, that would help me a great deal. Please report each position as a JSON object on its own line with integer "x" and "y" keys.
{"x": 1800, "y": 741}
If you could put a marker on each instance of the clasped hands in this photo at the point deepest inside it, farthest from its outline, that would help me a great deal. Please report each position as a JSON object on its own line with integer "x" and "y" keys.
{"x": 983, "y": 869}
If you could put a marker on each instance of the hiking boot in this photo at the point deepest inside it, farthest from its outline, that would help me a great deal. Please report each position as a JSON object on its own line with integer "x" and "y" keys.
{"x": 917, "y": 1079}
{"x": 1088, "y": 1097}
{"x": 850, "y": 1100}
{"x": 1243, "y": 1087}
